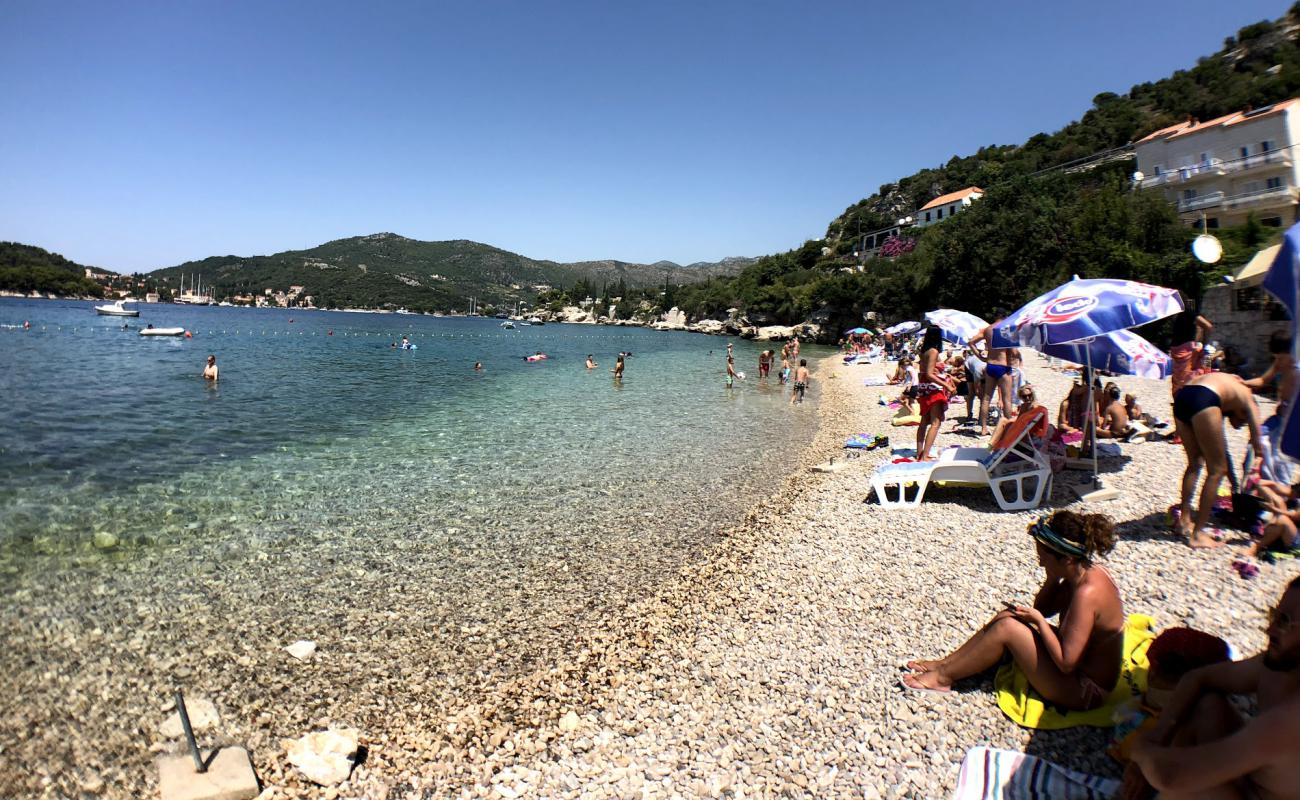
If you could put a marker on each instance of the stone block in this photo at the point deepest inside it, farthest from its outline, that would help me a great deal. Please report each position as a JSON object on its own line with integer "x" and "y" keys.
{"x": 230, "y": 776}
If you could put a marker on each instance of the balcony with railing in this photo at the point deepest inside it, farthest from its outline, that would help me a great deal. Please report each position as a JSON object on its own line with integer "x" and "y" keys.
{"x": 1278, "y": 195}
{"x": 1200, "y": 202}
{"x": 1273, "y": 158}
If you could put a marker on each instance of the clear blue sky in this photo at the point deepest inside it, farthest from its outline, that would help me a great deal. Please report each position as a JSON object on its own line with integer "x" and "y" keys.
{"x": 139, "y": 135}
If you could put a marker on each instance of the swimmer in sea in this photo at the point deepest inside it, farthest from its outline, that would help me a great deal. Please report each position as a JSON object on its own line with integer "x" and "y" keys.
{"x": 618, "y": 368}
{"x": 591, "y": 362}
{"x": 211, "y": 372}
{"x": 406, "y": 343}
{"x": 27, "y": 325}
{"x": 478, "y": 366}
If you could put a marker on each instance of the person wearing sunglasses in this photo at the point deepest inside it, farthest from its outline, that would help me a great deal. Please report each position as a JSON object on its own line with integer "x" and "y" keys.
{"x": 1202, "y": 747}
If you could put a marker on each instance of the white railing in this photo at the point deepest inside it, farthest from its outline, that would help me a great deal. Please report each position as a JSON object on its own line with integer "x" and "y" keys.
{"x": 1260, "y": 196}
{"x": 1203, "y": 201}
{"x": 1259, "y": 160}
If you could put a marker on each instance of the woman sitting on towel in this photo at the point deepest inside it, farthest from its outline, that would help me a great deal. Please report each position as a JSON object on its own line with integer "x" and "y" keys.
{"x": 1074, "y": 665}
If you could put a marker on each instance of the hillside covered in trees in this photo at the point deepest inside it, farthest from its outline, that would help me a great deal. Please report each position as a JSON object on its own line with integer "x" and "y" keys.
{"x": 385, "y": 270}
{"x": 26, "y": 269}
{"x": 1057, "y": 205}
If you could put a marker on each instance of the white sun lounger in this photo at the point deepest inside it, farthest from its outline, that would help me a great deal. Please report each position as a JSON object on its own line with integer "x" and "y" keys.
{"x": 1019, "y": 474}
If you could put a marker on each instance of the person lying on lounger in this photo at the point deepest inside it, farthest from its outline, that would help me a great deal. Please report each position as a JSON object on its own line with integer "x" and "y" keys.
{"x": 1075, "y": 665}
{"x": 1203, "y": 748}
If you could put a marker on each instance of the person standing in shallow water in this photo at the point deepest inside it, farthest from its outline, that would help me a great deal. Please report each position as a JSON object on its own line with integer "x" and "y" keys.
{"x": 211, "y": 371}
{"x": 618, "y": 367}
{"x": 801, "y": 379}
{"x": 731, "y": 371}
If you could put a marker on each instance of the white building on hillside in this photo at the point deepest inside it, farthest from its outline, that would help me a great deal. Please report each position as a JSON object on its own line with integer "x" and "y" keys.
{"x": 1227, "y": 168}
{"x": 946, "y": 206}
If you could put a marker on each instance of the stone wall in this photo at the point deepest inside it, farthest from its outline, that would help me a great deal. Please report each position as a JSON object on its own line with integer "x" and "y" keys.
{"x": 1244, "y": 318}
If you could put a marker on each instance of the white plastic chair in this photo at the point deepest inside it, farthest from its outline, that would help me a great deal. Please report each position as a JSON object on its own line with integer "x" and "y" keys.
{"x": 1017, "y": 472}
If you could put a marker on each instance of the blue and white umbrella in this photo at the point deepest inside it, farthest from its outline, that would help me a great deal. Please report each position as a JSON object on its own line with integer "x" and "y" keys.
{"x": 1082, "y": 309}
{"x": 1122, "y": 352}
{"x": 857, "y": 331}
{"x": 958, "y": 327}
{"x": 1283, "y": 282}
{"x": 903, "y": 328}
{"x": 1086, "y": 309}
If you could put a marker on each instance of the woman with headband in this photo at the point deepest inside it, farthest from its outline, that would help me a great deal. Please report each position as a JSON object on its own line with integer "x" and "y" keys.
{"x": 1075, "y": 664}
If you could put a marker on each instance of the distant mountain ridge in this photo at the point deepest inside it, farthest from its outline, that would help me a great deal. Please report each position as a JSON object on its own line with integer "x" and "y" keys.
{"x": 383, "y": 270}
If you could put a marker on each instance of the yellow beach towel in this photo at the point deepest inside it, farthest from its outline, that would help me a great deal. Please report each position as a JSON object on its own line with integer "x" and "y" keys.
{"x": 1026, "y": 708}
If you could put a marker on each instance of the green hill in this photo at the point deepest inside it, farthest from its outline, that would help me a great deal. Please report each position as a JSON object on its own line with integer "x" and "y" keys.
{"x": 26, "y": 269}
{"x": 384, "y": 270}
{"x": 1056, "y": 205}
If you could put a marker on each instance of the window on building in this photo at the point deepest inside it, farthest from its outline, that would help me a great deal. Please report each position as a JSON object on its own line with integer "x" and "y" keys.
{"x": 1245, "y": 151}
{"x": 941, "y": 212}
{"x": 927, "y": 216}
{"x": 1212, "y": 223}
{"x": 1205, "y": 158}
{"x": 1274, "y": 183}
{"x": 1156, "y": 169}
{"x": 953, "y": 210}
{"x": 1266, "y": 145}
{"x": 1271, "y": 222}
{"x": 1189, "y": 194}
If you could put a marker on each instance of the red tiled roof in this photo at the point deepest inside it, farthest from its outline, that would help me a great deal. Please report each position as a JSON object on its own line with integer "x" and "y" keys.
{"x": 1192, "y": 126}
{"x": 953, "y": 197}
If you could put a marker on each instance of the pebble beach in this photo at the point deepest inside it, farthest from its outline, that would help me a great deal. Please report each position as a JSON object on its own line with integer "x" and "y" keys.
{"x": 767, "y": 666}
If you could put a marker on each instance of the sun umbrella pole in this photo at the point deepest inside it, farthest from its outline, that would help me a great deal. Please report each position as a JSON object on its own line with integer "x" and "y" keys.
{"x": 1098, "y": 493}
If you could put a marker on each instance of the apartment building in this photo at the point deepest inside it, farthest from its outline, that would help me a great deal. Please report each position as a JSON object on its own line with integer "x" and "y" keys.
{"x": 1227, "y": 168}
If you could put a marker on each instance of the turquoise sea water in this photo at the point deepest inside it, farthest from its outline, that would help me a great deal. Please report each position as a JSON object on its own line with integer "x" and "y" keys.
{"x": 317, "y": 424}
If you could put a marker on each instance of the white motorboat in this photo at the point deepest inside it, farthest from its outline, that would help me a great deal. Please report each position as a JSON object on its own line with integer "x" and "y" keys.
{"x": 508, "y": 324}
{"x": 117, "y": 309}
{"x": 162, "y": 332}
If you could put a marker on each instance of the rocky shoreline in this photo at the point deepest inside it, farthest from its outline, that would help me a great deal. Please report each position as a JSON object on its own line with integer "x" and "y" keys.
{"x": 772, "y": 668}
{"x": 766, "y": 666}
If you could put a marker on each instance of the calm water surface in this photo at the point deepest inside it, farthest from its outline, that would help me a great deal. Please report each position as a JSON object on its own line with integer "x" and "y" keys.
{"x": 317, "y": 425}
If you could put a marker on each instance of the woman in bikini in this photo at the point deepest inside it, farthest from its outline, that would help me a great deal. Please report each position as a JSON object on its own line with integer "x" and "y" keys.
{"x": 933, "y": 389}
{"x": 1075, "y": 665}
{"x": 1200, "y": 408}
{"x": 997, "y": 375}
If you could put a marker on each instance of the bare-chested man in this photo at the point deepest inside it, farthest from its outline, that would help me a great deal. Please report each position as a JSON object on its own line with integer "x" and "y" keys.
{"x": 1200, "y": 408}
{"x": 997, "y": 375}
{"x": 1203, "y": 748}
{"x": 210, "y": 370}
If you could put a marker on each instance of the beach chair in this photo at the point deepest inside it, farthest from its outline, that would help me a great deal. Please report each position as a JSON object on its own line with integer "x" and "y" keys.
{"x": 1017, "y": 472}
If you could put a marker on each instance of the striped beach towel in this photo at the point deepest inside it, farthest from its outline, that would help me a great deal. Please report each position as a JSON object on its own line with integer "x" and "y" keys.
{"x": 990, "y": 774}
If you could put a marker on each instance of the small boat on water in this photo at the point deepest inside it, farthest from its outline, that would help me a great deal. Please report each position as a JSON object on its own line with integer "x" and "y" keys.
{"x": 508, "y": 324}
{"x": 535, "y": 321}
{"x": 162, "y": 332}
{"x": 117, "y": 309}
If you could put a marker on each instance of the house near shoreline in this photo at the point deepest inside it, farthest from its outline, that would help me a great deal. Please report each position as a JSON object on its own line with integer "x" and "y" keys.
{"x": 1225, "y": 169}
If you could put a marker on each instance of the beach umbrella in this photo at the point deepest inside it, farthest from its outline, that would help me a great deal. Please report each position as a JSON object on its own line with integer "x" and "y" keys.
{"x": 956, "y": 326}
{"x": 857, "y": 331}
{"x": 1079, "y": 310}
{"x": 1283, "y": 282}
{"x": 1122, "y": 352}
{"x": 903, "y": 328}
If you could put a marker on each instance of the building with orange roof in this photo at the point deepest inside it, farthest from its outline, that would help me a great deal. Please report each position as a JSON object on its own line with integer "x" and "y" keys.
{"x": 1225, "y": 169}
{"x": 946, "y": 206}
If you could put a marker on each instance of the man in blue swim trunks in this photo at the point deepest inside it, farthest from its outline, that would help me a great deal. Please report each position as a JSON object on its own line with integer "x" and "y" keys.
{"x": 1200, "y": 408}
